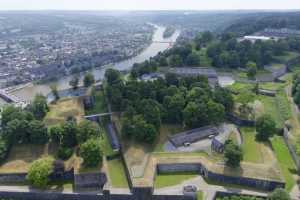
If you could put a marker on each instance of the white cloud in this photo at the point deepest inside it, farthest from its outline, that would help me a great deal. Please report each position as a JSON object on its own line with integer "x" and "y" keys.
{"x": 147, "y": 4}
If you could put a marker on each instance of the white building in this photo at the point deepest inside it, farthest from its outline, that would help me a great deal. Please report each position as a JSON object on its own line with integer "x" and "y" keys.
{"x": 254, "y": 38}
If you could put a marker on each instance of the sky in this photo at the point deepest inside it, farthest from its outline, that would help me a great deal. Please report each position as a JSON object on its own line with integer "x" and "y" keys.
{"x": 147, "y": 4}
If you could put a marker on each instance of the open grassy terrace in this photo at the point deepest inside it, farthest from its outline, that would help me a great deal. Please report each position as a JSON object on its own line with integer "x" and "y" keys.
{"x": 64, "y": 108}
{"x": 285, "y": 160}
{"x": 116, "y": 173}
{"x": 22, "y": 155}
{"x": 254, "y": 151}
{"x": 165, "y": 180}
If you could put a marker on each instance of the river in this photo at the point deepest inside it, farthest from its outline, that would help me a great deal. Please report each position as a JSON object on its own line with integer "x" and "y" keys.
{"x": 27, "y": 93}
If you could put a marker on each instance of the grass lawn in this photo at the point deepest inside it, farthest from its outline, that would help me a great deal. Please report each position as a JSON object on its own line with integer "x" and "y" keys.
{"x": 64, "y": 108}
{"x": 285, "y": 160}
{"x": 283, "y": 105}
{"x": 270, "y": 108}
{"x": 117, "y": 174}
{"x": 271, "y": 86}
{"x": 251, "y": 148}
{"x": 278, "y": 107}
{"x": 238, "y": 87}
{"x": 199, "y": 195}
{"x": 100, "y": 104}
{"x": 106, "y": 147}
{"x": 165, "y": 180}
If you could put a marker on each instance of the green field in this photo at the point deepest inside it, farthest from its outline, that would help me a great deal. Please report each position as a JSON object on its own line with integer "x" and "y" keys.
{"x": 199, "y": 195}
{"x": 251, "y": 147}
{"x": 283, "y": 105}
{"x": 285, "y": 160}
{"x": 271, "y": 86}
{"x": 270, "y": 108}
{"x": 166, "y": 180}
{"x": 117, "y": 173}
{"x": 238, "y": 87}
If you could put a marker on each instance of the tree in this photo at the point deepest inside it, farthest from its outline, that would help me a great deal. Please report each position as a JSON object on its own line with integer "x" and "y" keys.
{"x": 233, "y": 154}
{"x": 64, "y": 153}
{"x": 88, "y": 80}
{"x": 39, "y": 172}
{"x": 139, "y": 129}
{"x": 112, "y": 76}
{"x": 224, "y": 97}
{"x": 195, "y": 114}
{"x": 87, "y": 130}
{"x": 279, "y": 194}
{"x": 172, "y": 79}
{"x": 193, "y": 59}
{"x": 252, "y": 70}
{"x": 17, "y": 131}
{"x": 176, "y": 61}
{"x": 91, "y": 153}
{"x": 54, "y": 91}
{"x": 174, "y": 106}
{"x": 10, "y": 113}
{"x": 56, "y": 133}
{"x": 265, "y": 127}
{"x": 151, "y": 112}
{"x": 38, "y": 132}
{"x": 69, "y": 133}
{"x": 4, "y": 148}
{"x": 216, "y": 112}
{"x": 39, "y": 107}
{"x": 74, "y": 82}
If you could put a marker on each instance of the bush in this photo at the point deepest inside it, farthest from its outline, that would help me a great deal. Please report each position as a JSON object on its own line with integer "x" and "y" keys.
{"x": 87, "y": 130}
{"x": 64, "y": 153}
{"x": 39, "y": 171}
{"x": 265, "y": 127}
{"x": 279, "y": 194}
{"x": 55, "y": 133}
{"x": 38, "y": 132}
{"x": 4, "y": 147}
{"x": 233, "y": 154}
{"x": 91, "y": 153}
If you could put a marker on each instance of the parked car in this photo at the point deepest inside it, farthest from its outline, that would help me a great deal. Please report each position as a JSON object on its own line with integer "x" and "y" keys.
{"x": 211, "y": 136}
{"x": 190, "y": 190}
{"x": 186, "y": 144}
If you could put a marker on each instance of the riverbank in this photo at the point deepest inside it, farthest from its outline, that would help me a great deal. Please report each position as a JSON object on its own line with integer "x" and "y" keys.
{"x": 27, "y": 92}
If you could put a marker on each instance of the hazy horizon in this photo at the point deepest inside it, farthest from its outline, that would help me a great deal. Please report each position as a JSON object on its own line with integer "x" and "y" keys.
{"x": 136, "y": 5}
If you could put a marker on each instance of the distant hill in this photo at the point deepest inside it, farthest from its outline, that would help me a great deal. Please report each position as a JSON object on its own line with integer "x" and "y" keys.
{"x": 259, "y": 21}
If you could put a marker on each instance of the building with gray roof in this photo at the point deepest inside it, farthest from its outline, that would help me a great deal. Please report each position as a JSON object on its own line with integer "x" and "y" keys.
{"x": 193, "y": 135}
